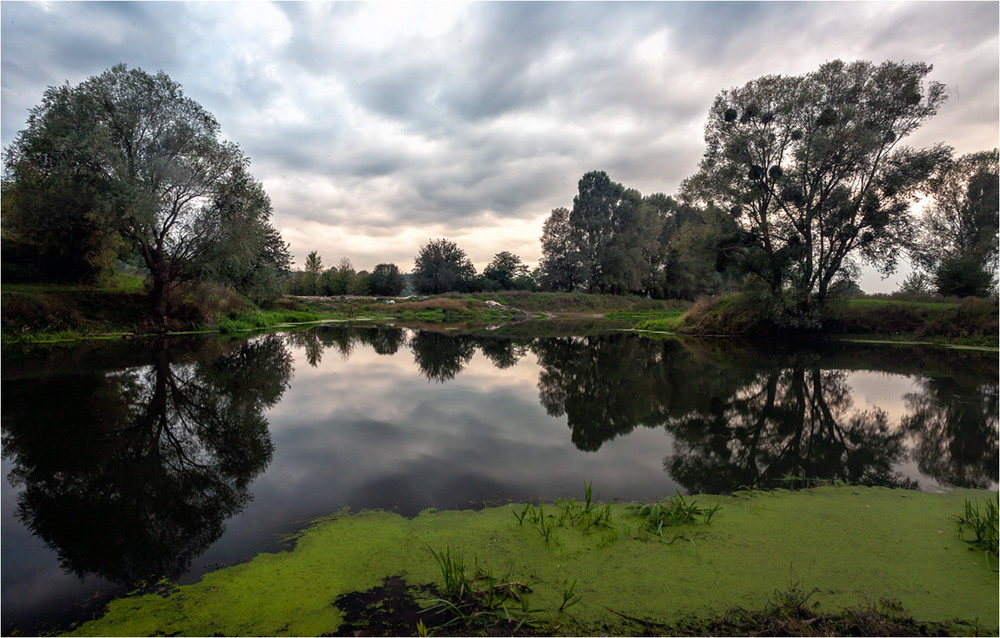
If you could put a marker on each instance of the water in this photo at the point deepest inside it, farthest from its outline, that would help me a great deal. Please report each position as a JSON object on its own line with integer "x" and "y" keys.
{"x": 126, "y": 462}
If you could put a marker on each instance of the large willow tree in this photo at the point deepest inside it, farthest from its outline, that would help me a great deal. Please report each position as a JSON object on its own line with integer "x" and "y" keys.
{"x": 126, "y": 152}
{"x": 812, "y": 169}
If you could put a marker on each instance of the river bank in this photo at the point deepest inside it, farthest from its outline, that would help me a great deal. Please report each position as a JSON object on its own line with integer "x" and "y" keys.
{"x": 588, "y": 568}
{"x": 49, "y": 314}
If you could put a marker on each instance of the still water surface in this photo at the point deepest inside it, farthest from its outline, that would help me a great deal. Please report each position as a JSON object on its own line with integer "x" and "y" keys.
{"x": 129, "y": 461}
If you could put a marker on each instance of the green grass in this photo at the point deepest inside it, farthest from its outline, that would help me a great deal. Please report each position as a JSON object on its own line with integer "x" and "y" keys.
{"x": 982, "y": 523}
{"x": 45, "y": 312}
{"x": 971, "y": 322}
{"x": 255, "y": 320}
{"x": 673, "y": 512}
{"x": 668, "y": 321}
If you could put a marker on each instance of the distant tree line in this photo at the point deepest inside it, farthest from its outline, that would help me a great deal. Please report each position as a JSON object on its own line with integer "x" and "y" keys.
{"x": 440, "y": 266}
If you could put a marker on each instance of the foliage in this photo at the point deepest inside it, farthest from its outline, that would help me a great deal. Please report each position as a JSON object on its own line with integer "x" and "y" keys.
{"x": 127, "y": 153}
{"x": 673, "y": 512}
{"x": 811, "y": 170}
{"x": 916, "y": 283}
{"x": 338, "y": 280}
{"x": 610, "y": 242}
{"x": 504, "y": 270}
{"x": 982, "y": 523}
{"x": 250, "y": 256}
{"x": 959, "y": 230}
{"x": 560, "y": 266}
{"x": 442, "y": 266}
{"x": 309, "y": 282}
{"x": 481, "y": 600}
{"x": 51, "y": 228}
{"x": 386, "y": 280}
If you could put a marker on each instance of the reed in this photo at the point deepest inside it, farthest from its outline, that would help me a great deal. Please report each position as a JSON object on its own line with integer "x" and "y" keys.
{"x": 673, "y": 512}
{"x": 982, "y": 522}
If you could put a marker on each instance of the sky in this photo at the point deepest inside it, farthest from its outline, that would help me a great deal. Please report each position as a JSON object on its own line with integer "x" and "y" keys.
{"x": 377, "y": 126}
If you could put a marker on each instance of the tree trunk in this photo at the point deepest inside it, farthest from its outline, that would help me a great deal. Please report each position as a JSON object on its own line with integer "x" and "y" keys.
{"x": 159, "y": 296}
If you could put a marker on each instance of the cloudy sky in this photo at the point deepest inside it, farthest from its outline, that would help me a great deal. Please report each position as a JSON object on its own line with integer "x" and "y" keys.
{"x": 377, "y": 126}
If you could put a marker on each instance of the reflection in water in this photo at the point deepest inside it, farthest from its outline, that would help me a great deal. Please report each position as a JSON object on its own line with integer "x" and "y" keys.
{"x": 384, "y": 340}
{"x": 790, "y": 422}
{"x": 440, "y": 357}
{"x": 737, "y": 416}
{"x": 130, "y": 474}
{"x": 138, "y": 467}
{"x": 954, "y": 427}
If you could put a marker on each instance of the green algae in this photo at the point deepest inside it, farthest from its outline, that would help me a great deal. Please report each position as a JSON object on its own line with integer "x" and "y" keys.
{"x": 850, "y": 544}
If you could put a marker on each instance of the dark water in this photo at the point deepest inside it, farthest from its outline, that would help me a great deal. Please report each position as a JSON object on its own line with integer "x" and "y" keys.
{"x": 128, "y": 462}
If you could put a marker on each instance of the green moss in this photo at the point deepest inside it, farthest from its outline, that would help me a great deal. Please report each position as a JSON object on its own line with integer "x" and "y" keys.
{"x": 850, "y": 543}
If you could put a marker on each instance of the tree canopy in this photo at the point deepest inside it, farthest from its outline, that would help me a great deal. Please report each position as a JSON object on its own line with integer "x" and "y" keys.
{"x": 442, "y": 266}
{"x": 812, "y": 170}
{"x": 610, "y": 242}
{"x": 959, "y": 230}
{"x": 127, "y": 159}
{"x": 386, "y": 280}
{"x": 503, "y": 270}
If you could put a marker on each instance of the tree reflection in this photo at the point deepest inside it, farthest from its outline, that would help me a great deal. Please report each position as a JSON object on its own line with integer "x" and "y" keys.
{"x": 441, "y": 357}
{"x": 502, "y": 352}
{"x": 735, "y": 419}
{"x": 130, "y": 475}
{"x": 384, "y": 340}
{"x": 789, "y": 423}
{"x": 953, "y": 426}
{"x": 609, "y": 385}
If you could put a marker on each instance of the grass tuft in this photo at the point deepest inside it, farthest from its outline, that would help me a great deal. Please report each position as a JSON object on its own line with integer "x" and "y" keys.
{"x": 673, "y": 512}
{"x": 982, "y": 523}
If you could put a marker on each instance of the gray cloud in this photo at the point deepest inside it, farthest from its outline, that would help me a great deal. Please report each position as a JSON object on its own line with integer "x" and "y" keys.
{"x": 378, "y": 120}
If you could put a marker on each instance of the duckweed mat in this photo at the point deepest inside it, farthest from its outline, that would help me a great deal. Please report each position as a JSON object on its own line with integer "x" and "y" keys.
{"x": 845, "y": 546}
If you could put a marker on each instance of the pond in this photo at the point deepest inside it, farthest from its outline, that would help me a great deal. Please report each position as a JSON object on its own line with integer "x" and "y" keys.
{"x": 126, "y": 462}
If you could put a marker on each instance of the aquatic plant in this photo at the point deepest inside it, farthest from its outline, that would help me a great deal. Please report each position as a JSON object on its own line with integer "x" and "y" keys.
{"x": 481, "y": 600}
{"x": 591, "y": 513}
{"x": 982, "y": 523}
{"x": 569, "y": 598}
{"x": 672, "y": 512}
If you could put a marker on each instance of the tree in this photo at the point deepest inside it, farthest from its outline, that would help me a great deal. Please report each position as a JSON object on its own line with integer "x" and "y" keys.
{"x": 560, "y": 266}
{"x": 129, "y": 152}
{"x": 504, "y": 269}
{"x": 313, "y": 272}
{"x": 811, "y": 169}
{"x": 610, "y": 230}
{"x": 442, "y": 266}
{"x": 958, "y": 241}
{"x": 251, "y": 257}
{"x": 386, "y": 280}
{"x": 699, "y": 256}
{"x": 338, "y": 280}
{"x": 610, "y": 242}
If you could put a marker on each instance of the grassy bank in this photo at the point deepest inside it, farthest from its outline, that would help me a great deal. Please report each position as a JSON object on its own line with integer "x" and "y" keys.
{"x": 41, "y": 313}
{"x": 972, "y": 322}
{"x": 589, "y": 568}
{"x": 50, "y": 313}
